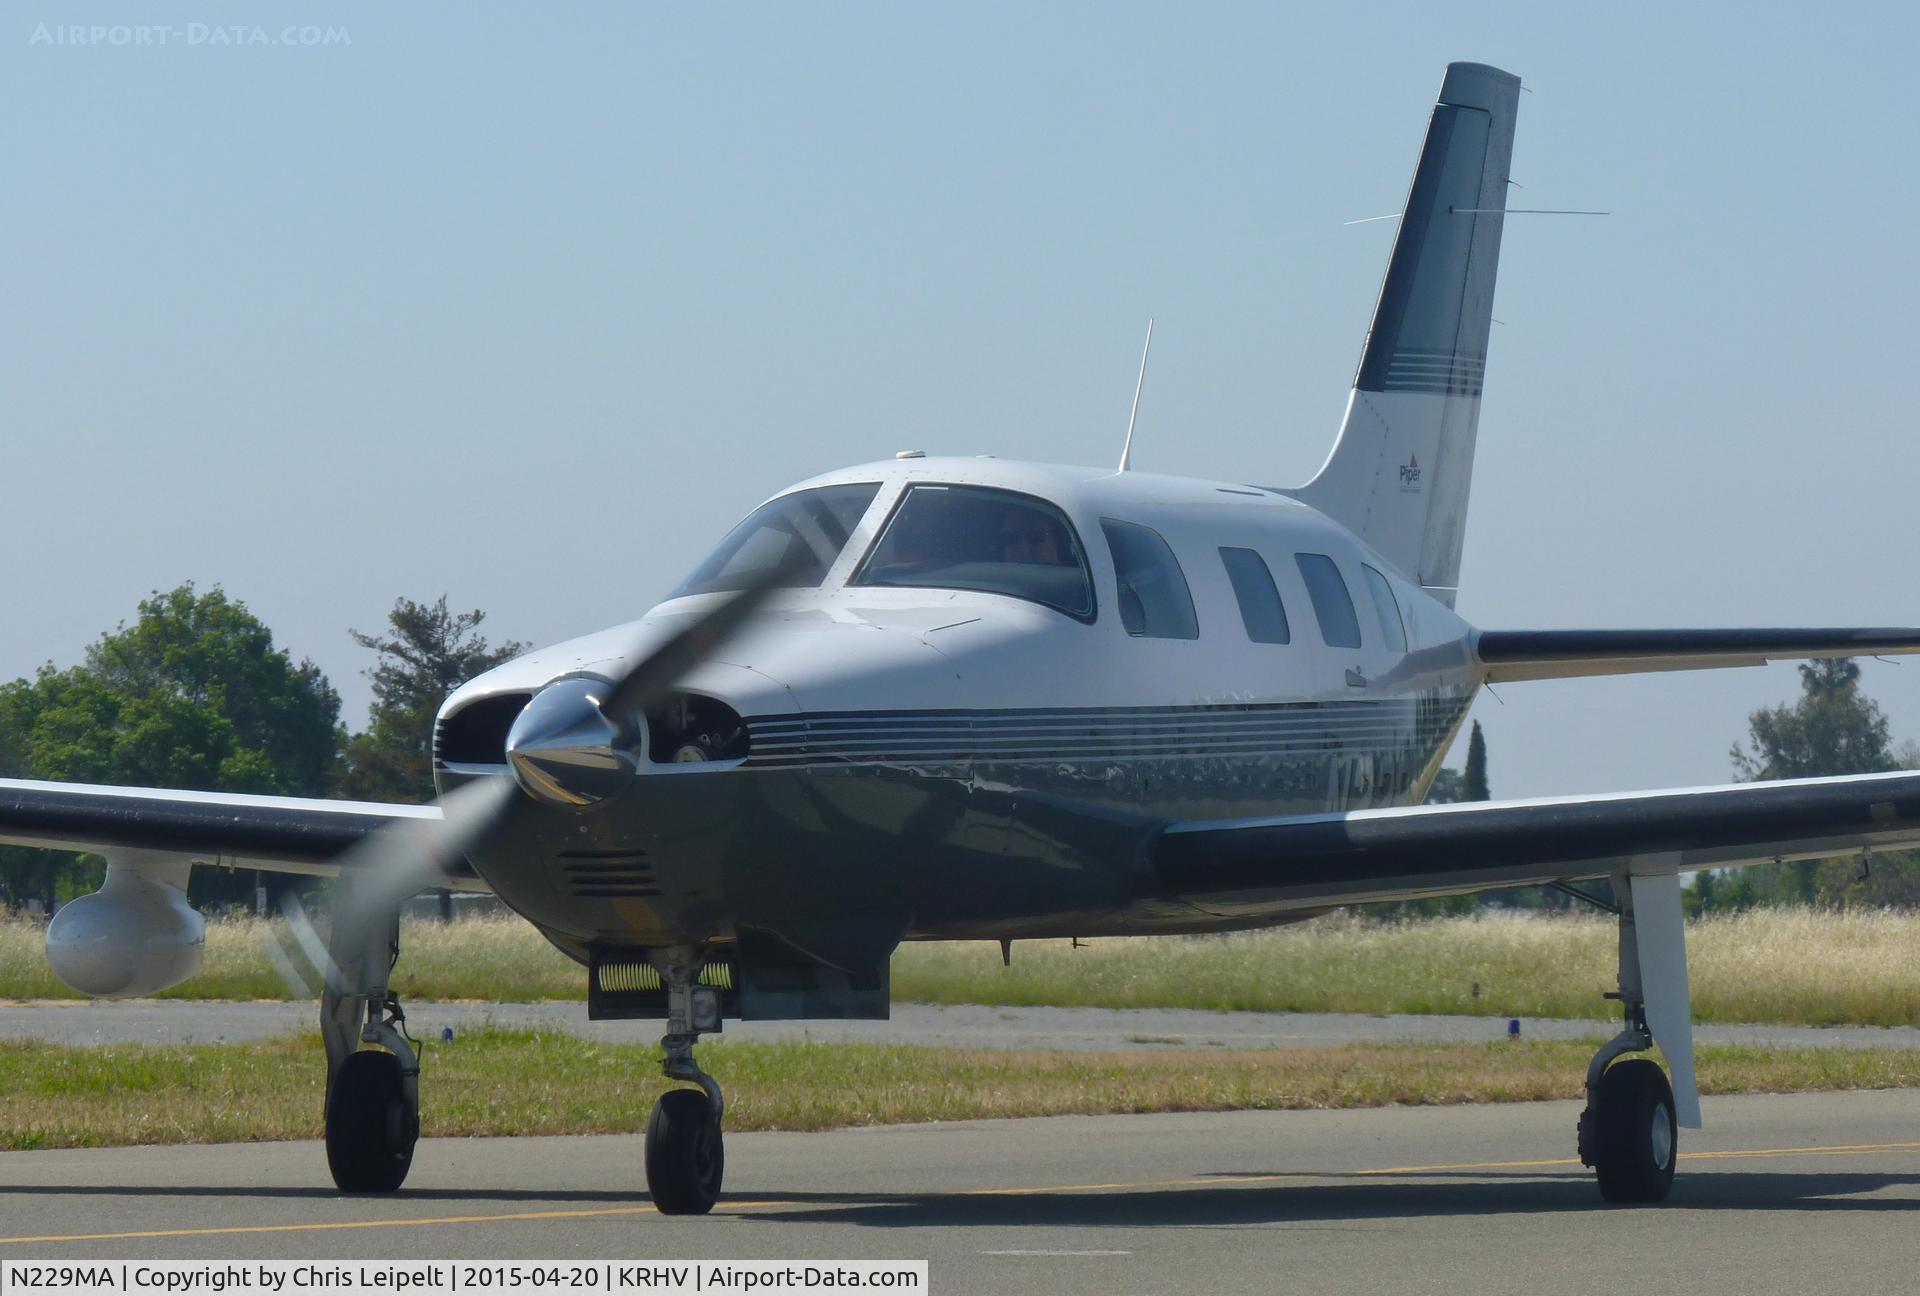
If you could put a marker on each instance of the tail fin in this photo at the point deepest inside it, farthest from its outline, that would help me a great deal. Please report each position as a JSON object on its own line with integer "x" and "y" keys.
{"x": 1399, "y": 473}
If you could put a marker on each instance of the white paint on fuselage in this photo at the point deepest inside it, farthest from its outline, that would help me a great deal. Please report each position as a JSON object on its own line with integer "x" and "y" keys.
{"x": 844, "y": 647}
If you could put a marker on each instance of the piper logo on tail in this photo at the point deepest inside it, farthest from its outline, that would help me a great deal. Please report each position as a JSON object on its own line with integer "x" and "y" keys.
{"x": 1410, "y": 474}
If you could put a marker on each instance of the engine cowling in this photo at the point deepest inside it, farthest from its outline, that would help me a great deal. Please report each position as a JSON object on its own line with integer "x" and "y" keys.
{"x": 136, "y": 935}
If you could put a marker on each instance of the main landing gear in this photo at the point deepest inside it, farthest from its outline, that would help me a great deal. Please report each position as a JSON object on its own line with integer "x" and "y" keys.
{"x": 1629, "y": 1133}
{"x": 685, "y": 1156}
{"x": 373, "y": 1095}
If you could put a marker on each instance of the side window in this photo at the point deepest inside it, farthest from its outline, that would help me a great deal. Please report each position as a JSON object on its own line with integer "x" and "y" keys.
{"x": 1388, "y": 609}
{"x": 1332, "y": 605}
{"x": 1260, "y": 607}
{"x": 1154, "y": 600}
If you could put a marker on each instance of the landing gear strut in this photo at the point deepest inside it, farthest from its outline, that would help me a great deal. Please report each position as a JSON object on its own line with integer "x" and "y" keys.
{"x": 685, "y": 1156}
{"x": 1628, "y": 1132}
{"x": 373, "y": 1096}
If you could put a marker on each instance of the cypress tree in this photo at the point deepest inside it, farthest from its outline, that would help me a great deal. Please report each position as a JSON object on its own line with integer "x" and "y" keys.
{"x": 1473, "y": 781}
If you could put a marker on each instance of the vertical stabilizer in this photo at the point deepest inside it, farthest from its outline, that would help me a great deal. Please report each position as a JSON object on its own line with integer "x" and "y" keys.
{"x": 1400, "y": 470}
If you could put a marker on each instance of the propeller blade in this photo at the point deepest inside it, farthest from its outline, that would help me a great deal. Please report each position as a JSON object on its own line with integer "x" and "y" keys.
{"x": 298, "y": 948}
{"x": 291, "y": 974}
{"x": 309, "y": 942}
{"x": 650, "y": 678}
{"x": 409, "y": 856}
{"x": 577, "y": 743}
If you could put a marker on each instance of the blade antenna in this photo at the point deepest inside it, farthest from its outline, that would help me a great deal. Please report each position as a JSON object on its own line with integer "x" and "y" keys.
{"x": 1126, "y": 451}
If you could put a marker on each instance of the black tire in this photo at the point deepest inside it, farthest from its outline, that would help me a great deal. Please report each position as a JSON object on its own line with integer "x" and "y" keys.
{"x": 371, "y": 1127}
{"x": 685, "y": 1156}
{"x": 1629, "y": 1135}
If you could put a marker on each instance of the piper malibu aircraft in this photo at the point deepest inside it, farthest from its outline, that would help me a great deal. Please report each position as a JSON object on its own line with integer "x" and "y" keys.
{"x": 945, "y": 698}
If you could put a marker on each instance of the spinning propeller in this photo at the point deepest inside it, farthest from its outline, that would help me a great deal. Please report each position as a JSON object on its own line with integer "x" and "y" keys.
{"x": 579, "y": 741}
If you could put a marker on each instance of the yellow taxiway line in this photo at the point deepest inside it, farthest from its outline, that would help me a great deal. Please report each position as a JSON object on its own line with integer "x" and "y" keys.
{"x": 371, "y": 1224}
{"x": 1219, "y": 1181}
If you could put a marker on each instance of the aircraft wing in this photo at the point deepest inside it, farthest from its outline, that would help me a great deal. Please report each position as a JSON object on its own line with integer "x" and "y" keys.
{"x": 277, "y": 834}
{"x": 1563, "y": 654}
{"x": 1367, "y": 855}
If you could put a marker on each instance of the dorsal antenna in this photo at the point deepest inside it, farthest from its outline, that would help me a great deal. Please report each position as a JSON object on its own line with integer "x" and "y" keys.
{"x": 1126, "y": 450}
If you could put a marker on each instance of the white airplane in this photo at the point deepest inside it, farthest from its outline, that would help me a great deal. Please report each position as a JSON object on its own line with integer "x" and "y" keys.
{"x": 944, "y": 698}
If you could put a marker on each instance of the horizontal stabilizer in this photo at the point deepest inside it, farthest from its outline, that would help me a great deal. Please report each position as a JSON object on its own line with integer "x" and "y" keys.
{"x": 1566, "y": 654}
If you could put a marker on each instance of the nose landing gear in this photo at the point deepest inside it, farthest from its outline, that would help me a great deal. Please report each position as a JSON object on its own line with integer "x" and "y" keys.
{"x": 684, "y": 1153}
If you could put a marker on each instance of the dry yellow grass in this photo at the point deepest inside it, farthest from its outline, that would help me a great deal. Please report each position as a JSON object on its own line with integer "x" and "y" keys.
{"x": 499, "y": 959}
{"x": 1795, "y": 966}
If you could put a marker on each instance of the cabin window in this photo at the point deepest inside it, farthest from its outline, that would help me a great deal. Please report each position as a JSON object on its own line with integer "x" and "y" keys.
{"x": 1260, "y": 606}
{"x": 993, "y": 541}
{"x": 1154, "y": 600}
{"x": 1332, "y": 605}
{"x": 1387, "y": 607}
{"x": 803, "y": 532}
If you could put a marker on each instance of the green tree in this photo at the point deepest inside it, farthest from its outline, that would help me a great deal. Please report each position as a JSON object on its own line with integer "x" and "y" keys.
{"x": 426, "y": 653}
{"x": 1473, "y": 780}
{"x": 1832, "y": 729}
{"x": 193, "y": 695}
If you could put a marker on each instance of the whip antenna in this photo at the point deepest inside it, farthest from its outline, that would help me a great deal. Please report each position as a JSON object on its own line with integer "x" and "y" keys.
{"x": 1139, "y": 382}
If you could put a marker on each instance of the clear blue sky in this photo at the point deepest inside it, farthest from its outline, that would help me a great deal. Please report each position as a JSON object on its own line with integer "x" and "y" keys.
{"x": 530, "y": 307}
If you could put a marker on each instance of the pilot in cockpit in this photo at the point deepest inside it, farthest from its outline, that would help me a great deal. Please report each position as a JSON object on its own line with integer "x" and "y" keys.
{"x": 1030, "y": 537}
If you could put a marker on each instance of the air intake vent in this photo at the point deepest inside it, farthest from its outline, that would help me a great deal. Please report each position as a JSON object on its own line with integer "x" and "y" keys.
{"x": 593, "y": 874}
{"x": 476, "y": 734}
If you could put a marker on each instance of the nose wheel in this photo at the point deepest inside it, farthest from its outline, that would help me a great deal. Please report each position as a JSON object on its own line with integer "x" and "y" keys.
{"x": 685, "y": 1156}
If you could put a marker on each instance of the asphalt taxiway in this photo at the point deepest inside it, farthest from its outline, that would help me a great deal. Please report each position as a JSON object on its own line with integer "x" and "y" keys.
{"x": 1779, "y": 1193}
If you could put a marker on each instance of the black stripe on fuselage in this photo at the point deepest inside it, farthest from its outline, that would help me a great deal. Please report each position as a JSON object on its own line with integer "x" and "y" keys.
{"x": 1097, "y": 733}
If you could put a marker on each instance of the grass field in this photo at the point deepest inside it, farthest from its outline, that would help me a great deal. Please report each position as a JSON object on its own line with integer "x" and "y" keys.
{"x": 526, "y": 1082}
{"x": 1789, "y": 966}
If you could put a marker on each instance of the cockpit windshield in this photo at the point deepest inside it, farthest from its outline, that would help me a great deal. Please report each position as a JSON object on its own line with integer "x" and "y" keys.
{"x": 972, "y": 538}
{"x": 802, "y": 532}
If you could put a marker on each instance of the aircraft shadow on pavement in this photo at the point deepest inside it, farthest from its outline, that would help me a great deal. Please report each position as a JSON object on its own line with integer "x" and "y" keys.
{"x": 1333, "y": 1197}
{"x": 1317, "y": 1198}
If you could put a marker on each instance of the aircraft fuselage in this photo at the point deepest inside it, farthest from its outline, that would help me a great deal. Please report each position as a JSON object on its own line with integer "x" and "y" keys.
{"x": 934, "y": 761}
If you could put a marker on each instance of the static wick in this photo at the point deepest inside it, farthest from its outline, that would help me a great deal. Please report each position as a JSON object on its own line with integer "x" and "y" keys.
{"x": 1126, "y": 451}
